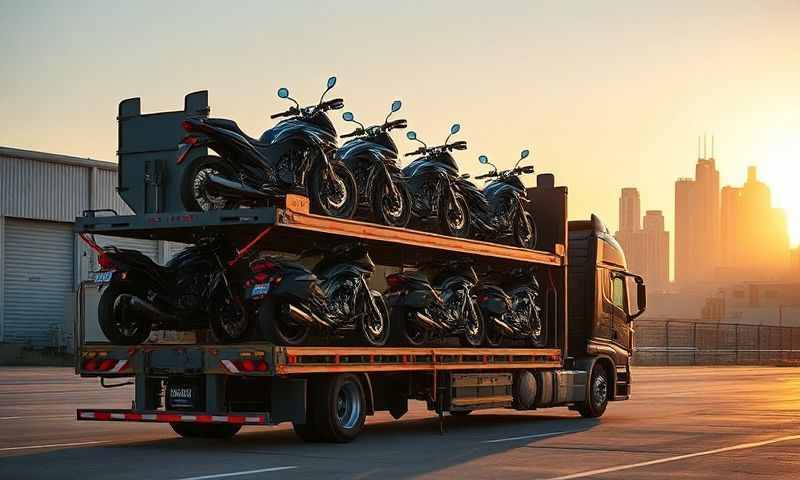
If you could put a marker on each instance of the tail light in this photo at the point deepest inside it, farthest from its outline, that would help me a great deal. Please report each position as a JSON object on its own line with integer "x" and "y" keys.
{"x": 105, "y": 261}
{"x": 190, "y": 140}
{"x": 187, "y": 126}
{"x": 395, "y": 280}
{"x": 103, "y": 364}
{"x": 262, "y": 266}
{"x": 251, "y": 365}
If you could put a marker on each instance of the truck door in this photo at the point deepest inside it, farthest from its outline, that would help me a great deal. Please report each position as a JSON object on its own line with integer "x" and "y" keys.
{"x": 620, "y": 327}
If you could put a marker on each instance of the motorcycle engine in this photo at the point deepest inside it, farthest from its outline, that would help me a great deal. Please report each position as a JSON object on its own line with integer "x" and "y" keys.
{"x": 288, "y": 167}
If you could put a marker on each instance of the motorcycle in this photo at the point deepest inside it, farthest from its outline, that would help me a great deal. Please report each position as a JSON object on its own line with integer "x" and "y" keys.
{"x": 435, "y": 187}
{"x": 293, "y": 301}
{"x": 508, "y": 302}
{"x": 506, "y": 219}
{"x": 295, "y": 156}
{"x": 423, "y": 310}
{"x": 194, "y": 290}
{"x": 373, "y": 161}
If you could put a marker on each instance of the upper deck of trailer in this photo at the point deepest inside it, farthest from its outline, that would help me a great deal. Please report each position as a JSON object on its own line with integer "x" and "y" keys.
{"x": 292, "y": 228}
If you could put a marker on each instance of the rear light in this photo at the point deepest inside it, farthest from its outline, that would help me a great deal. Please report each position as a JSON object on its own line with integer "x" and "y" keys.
{"x": 261, "y": 277}
{"x": 90, "y": 365}
{"x": 395, "y": 280}
{"x": 187, "y": 126}
{"x": 105, "y": 261}
{"x": 106, "y": 364}
{"x": 190, "y": 140}
{"x": 248, "y": 365}
{"x": 258, "y": 267}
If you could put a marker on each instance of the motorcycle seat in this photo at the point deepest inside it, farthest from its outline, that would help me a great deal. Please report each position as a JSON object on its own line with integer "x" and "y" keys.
{"x": 233, "y": 127}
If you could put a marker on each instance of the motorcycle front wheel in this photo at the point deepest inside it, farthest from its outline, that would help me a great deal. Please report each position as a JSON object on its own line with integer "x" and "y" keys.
{"x": 525, "y": 234}
{"x": 230, "y": 322}
{"x": 375, "y": 325}
{"x": 194, "y": 185}
{"x": 333, "y": 197}
{"x": 121, "y": 324}
{"x": 390, "y": 209}
{"x": 474, "y": 329}
{"x": 454, "y": 216}
{"x": 494, "y": 335}
{"x": 275, "y": 325}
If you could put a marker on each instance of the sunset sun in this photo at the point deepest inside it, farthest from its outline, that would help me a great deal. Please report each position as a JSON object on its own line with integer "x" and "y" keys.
{"x": 781, "y": 171}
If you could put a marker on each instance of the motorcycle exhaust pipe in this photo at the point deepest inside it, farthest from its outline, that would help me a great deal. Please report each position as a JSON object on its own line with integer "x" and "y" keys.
{"x": 142, "y": 306}
{"x": 225, "y": 187}
{"x": 504, "y": 326}
{"x": 306, "y": 318}
{"x": 427, "y": 321}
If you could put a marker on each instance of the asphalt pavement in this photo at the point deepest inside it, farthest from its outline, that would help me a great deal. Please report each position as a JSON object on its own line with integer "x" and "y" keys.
{"x": 684, "y": 423}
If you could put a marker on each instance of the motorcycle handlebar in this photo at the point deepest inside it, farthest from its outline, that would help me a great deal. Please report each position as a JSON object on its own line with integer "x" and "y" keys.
{"x": 288, "y": 113}
{"x": 335, "y": 104}
{"x": 416, "y": 152}
{"x": 399, "y": 123}
{"x": 460, "y": 145}
{"x": 485, "y": 175}
{"x": 354, "y": 133}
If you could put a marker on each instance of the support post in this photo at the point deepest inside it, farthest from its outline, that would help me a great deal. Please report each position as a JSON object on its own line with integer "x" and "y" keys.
{"x": 2, "y": 277}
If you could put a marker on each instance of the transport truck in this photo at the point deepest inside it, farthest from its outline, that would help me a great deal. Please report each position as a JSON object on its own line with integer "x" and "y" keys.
{"x": 200, "y": 388}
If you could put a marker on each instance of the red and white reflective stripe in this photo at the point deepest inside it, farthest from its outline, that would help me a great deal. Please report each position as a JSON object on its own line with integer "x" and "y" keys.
{"x": 230, "y": 366}
{"x": 127, "y": 416}
{"x": 121, "y": 364}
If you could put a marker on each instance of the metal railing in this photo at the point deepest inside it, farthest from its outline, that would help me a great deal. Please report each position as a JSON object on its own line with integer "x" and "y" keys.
{"x": 682, "y": 342}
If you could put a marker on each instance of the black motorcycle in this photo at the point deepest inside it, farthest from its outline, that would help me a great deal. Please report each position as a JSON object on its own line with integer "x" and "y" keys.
{"x": 508, "y": 302}
{"x": 423, "y": 311}
{"x": 333, "y": 298}
{"x": 197, "y": 288}
{"x": 373, "y": 161}
{"x": 507, "y": 219}
{"x": 435, "y": 187}
{"x": 295, "y": 156}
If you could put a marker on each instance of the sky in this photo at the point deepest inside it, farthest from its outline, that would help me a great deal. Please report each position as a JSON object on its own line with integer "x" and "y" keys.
{"x": 605, "y": 94}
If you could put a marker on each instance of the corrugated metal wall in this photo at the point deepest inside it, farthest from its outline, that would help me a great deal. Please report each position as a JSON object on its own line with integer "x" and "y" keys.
{"x": 38, "y": 281}
{"x": 106, "y": 192}
{"x": 42, "y": 190}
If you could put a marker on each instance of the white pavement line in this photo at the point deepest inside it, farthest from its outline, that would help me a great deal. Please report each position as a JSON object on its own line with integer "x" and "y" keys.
{"x": 38, "y": 417}
{"x": 10, "y": 418}
{"x": 741, "y": 446}
{"x": 246, "y": 472}
{"x": 524, "y": 437}
{"x": 53, "y": 445}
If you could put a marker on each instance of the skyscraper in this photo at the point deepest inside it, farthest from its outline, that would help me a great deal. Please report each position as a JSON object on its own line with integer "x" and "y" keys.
{"x": 697, "y": 222}
{"x": 646, "y": 249}
{"x": 755, "y": 241}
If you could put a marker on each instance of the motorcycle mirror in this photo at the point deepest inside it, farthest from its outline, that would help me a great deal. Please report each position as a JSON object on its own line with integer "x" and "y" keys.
{"x": 283, "y": 92}
{"x": 347, "y": 116}
{"x": 412, "y": 135}
{"x": 483, "y": 159}
{"x": 396, "y": 105}
{"x": 525, "y": 154}
{"x": 455, "y": 129}
{"x": 331, "y": 83}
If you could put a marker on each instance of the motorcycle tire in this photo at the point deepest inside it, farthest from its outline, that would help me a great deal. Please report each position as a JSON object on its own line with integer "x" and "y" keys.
{"x": 275, "y": 327}
{"x": 394, "y": 212}
{"x": 370, "y": 335}
{"x": 230, "y": 322}
{"x": 405, "y": 332}
{"x": 121, "y": 327}
{"x": 322, "y": 200}
{"x": 194, "y": 195}
{"x": 474, "y": 335}
{"x": 454, "y": 225}
{"x": 494, "y": 335}
{"x": 525, "y": 236}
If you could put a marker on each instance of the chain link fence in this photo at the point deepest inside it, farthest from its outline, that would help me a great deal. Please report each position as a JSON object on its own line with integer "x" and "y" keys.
{"x": 682, "y": 342}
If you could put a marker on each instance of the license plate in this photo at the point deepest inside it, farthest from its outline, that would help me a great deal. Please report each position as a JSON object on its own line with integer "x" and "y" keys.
{"x": 260, "y": 289}
{"x": 181, "y": 396}
{"x": 103, "y": 277}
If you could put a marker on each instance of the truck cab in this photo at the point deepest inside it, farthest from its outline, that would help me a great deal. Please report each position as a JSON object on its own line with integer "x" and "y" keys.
{"x": 604, "y": 299}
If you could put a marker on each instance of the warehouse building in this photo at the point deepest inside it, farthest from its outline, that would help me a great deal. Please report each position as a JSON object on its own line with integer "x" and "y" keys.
{"x": 42, "y": 262}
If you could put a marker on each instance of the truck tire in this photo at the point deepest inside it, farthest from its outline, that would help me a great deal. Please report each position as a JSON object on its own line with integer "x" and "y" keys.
{"x": 337, "y": 409}
{"x": 597, "y": 393}
{"x": 205, "y": 430}
{"x": 460, "y": 413}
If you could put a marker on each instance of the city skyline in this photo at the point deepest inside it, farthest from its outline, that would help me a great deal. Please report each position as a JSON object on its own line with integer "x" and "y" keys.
{"x": 584, "y": 103}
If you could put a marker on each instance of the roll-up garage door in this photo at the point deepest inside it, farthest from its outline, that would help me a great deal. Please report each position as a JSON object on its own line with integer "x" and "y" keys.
{"x": 38, "y": 281}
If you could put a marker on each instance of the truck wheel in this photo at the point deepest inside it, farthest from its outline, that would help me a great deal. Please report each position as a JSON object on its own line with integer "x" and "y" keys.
{"x": 205, "y": 430}
{"x": 597, "y": 395}
{"x": 338, "y": 409}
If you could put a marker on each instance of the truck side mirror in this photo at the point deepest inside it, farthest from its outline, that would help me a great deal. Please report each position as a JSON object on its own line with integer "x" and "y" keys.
{"x": 641, "y": 298}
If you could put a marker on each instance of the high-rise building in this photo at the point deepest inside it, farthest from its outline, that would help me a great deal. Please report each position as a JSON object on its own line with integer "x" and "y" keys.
{"x": 697, "y": 222}
{"x": 755, "y": 240}
{"x": 646, "y": 249}
{"x": 630, "y": 210}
